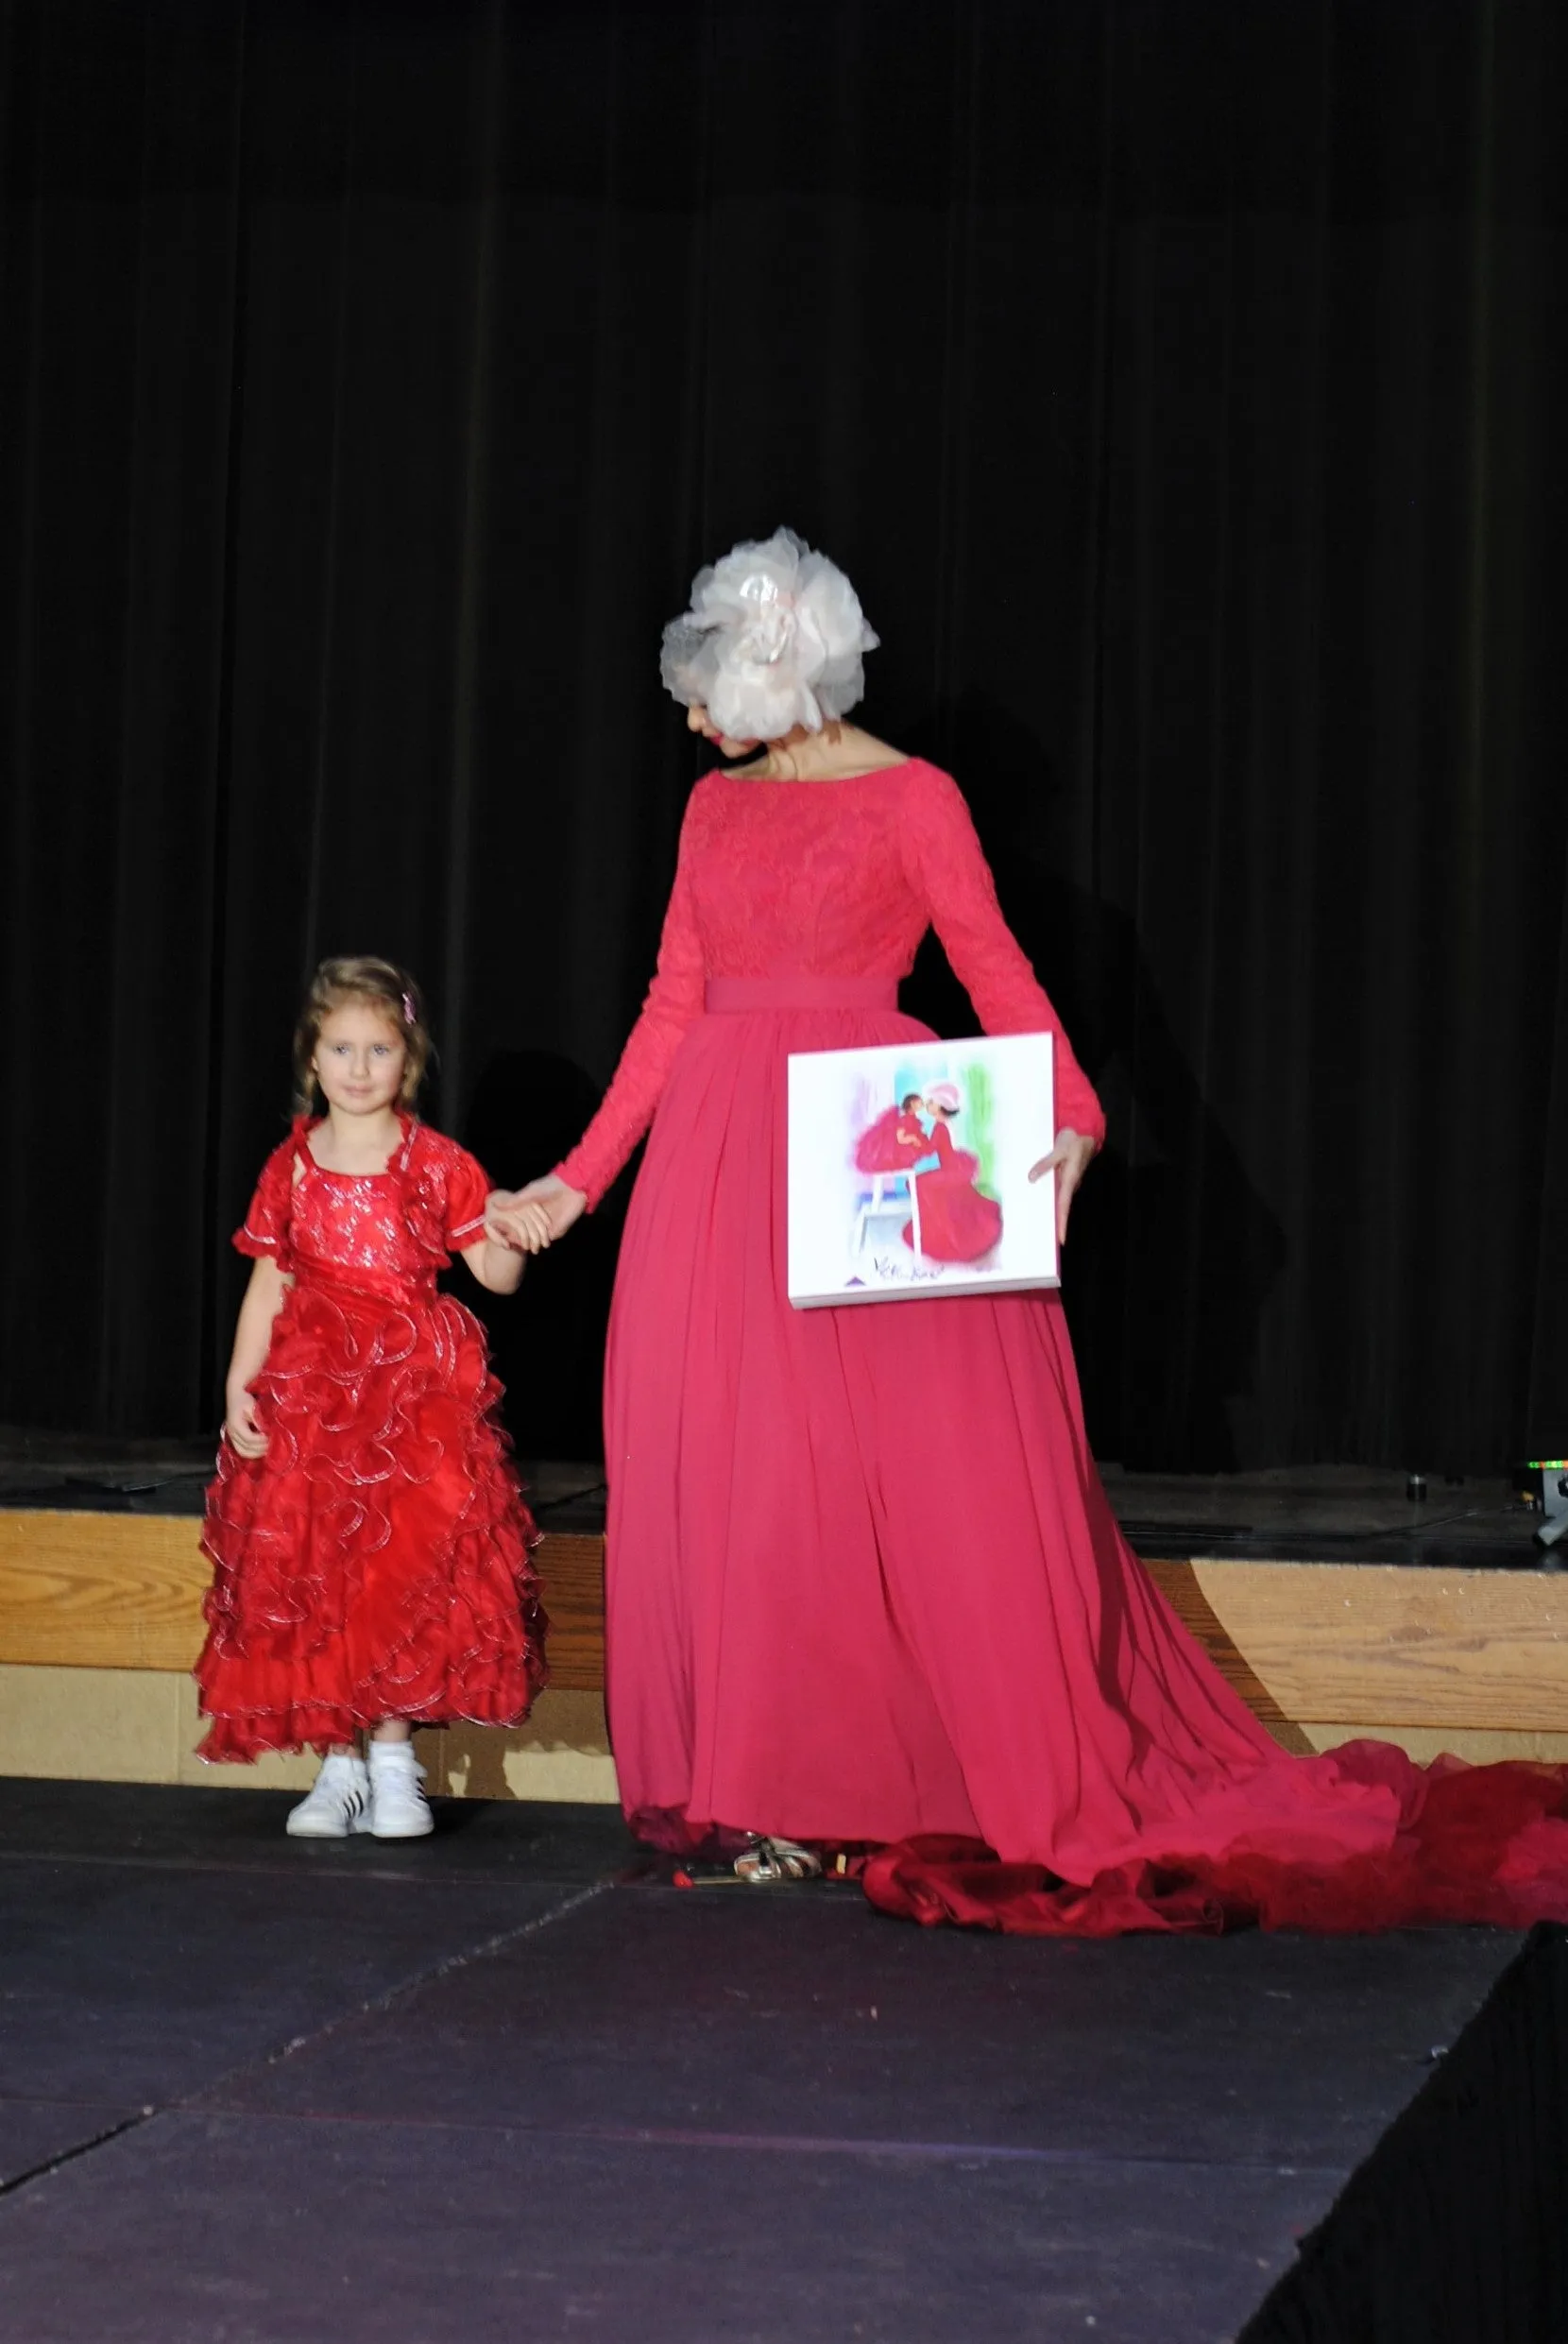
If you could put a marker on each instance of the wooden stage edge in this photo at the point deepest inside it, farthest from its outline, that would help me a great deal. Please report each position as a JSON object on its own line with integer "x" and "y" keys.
{"x": 1320, "y": 1650}
{"x": 124, "y": 1591}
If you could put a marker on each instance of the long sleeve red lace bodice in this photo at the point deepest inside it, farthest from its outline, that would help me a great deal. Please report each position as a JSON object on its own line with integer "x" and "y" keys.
{"x": 834, "y": 878}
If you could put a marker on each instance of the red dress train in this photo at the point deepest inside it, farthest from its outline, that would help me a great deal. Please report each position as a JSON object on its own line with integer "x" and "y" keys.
{"x": 375, "y": 1562}
{"x": 862, "y": 1581}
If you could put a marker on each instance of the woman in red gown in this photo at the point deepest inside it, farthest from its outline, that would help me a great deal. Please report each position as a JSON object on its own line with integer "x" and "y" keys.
{"x": 957, "y": 1223}
{"x": 791, "y": 1653}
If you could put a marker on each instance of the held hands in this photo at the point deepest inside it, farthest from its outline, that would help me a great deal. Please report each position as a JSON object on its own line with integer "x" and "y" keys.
{"x": 530, "y": 1218}
{"x": 245, "y": 1435}
{"x": 1069, "y": 1161}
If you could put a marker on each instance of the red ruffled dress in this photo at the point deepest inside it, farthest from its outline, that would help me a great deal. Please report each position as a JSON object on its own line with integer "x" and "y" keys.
{"x": 862, "y": 1581}
{"x": 375, "y": 1562}
{"x": 893, "y": 1143}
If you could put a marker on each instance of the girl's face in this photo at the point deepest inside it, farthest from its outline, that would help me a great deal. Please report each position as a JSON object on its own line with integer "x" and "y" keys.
{"x": 360, "y": 1055}
{"x": 698, "y": 720}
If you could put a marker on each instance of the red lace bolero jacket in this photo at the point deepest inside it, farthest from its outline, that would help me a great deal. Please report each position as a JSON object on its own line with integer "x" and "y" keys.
{"x": 406, "y": 1222}
{"x": 829, "y": 878}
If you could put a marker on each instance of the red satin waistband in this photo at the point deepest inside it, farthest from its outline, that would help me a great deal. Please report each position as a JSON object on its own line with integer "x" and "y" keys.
{"x": 351, "y": 1286}
{"x": 733, "y": 996}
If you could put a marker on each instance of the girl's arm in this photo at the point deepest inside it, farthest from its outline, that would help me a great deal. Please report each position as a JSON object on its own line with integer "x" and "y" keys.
{"x": 263, "y": 1299}
{"x": 497, "y": 1267}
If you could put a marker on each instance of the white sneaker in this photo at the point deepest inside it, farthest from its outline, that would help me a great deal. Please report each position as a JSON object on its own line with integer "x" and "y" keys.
{"x": 338, "y": 1802}
{"x": 398, "y": 1806}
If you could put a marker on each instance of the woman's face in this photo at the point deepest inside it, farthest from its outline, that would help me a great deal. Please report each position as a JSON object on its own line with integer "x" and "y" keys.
{"x": 698, "y": 720}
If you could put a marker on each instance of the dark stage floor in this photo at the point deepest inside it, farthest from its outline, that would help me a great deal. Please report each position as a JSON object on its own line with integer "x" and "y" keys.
{"x": 509, "y": 2084}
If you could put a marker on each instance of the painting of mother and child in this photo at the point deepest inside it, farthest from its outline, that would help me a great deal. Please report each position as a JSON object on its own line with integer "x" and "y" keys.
{"x": 908, "y": 1170}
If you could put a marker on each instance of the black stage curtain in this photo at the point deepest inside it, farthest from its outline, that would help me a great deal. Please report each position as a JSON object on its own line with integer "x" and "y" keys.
{"x": 1175, "y": 377}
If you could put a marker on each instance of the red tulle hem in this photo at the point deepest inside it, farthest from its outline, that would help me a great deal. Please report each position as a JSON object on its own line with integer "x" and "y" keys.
{"x": 320, "y": 1727}
{"x": 376, "y": 1563}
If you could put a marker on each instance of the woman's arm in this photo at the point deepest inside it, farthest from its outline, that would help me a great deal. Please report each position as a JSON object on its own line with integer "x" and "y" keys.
{"x": 263, "y": 1299}
{"x": 674, "y": 1000}
{"x": 945, "y": 865}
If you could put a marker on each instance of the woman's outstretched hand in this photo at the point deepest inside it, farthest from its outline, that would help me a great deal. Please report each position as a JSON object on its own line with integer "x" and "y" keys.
{"x": 1069, "y": 1161}
{"x": 530, "y": 1218}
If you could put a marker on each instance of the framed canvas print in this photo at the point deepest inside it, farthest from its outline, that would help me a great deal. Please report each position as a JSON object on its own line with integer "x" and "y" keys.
{"x": 908, "y": 1170}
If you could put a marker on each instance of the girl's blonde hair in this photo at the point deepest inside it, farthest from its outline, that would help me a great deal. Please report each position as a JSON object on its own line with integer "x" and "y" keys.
{"x": 378, "y": 984}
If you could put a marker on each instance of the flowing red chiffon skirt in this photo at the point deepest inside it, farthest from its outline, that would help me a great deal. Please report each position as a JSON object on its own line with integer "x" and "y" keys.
{"x": 864, "y": 1585}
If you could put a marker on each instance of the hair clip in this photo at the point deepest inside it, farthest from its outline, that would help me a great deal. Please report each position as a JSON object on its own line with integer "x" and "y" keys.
{"x": 408, "y": 1009}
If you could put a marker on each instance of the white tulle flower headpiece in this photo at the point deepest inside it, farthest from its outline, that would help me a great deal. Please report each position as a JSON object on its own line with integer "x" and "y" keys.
{"x": 774, "y": 639}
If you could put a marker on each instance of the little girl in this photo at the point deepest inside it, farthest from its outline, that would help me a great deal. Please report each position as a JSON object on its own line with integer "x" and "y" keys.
{"x": 369, "y": 1540}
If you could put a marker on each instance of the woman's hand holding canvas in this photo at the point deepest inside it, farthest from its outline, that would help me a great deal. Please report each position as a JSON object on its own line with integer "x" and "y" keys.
{"x": 1069, "y": 1161}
